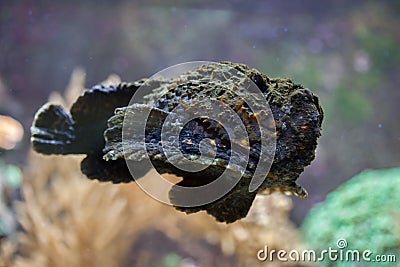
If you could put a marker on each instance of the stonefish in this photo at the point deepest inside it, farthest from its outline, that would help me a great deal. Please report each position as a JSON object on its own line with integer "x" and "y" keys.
{"x": 96, "y": 121}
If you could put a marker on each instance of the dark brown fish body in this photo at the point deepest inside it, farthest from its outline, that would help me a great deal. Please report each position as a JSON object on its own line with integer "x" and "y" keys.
{"x": 98, "y": 118}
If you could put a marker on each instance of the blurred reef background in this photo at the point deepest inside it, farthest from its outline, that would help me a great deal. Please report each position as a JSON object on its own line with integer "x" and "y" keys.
{"x": 347, "y": 52}
{"x": 364, "y": 212}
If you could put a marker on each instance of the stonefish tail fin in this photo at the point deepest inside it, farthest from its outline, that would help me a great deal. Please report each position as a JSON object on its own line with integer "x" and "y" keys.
{"x": 52, "y": 131}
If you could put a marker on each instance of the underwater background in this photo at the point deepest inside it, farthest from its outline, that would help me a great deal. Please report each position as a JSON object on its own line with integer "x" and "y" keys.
{"x": 347, "y": 52}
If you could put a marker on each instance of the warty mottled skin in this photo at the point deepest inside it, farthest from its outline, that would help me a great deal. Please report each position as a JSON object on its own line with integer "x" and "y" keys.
{"x": 94, "y": 127}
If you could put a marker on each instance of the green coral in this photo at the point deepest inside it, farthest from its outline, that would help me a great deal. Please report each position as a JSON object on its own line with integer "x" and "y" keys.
{"x": 365, "y": 211}
{"x": 10, "y": 181}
